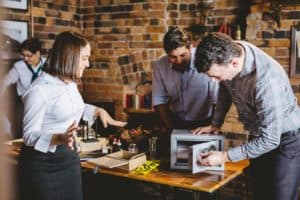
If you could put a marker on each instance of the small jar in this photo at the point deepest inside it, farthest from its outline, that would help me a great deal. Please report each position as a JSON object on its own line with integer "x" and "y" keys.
{"x": 132, "y": 148}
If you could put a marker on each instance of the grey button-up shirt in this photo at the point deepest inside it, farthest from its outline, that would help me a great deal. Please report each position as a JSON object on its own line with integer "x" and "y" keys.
{"x": 190, "y": 94}
{"x": 265, "y": 101}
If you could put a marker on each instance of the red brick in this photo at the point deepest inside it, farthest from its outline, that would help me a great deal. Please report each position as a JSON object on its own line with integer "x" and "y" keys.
{"x": 104, "y": 45}
{"x": 155, "y": 29}
{"x": 154, "y": 45}
{"x": 278, "y": 43}
{"x": 282, "y": 52}
{"x": 260, "y": 8}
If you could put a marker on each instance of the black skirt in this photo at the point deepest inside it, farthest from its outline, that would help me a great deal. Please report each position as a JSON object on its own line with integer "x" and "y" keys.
{"x": 49, "y": 176}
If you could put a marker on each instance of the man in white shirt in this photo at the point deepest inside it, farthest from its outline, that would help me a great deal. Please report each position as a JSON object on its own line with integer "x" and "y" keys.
{"x": 22, "y": 74}
{"x": 25, "y": 71}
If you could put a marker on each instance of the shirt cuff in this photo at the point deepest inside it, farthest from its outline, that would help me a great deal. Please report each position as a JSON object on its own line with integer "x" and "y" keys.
{"x": 89, "y": 112}
{"x": 237, "y": 153}
{"x": 159, "y": 100}
{"x": 216, "y": 123}
{"x": 52, "y": 148}
{"x": 218, "y": 119}
{"x": 43, "y": 143}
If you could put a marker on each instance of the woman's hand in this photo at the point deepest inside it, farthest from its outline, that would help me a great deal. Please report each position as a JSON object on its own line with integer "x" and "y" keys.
{"x": 68, "y": 138}
{"x": 106, "y": 119}
{"x": 206, "y": 129}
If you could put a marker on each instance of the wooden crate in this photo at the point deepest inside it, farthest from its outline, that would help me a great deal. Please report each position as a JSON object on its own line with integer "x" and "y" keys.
{"x": 121, "y": 160}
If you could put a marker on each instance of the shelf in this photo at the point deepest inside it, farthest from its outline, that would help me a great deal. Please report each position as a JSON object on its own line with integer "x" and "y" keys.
{"x": 138, "y": 111}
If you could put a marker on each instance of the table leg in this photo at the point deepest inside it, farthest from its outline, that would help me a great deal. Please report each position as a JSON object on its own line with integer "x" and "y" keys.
{"x": 206, "y": 196}
{"x": 164, "y": 192}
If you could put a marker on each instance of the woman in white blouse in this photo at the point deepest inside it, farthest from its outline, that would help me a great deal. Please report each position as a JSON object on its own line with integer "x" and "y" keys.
{"x": 49, "y": 163}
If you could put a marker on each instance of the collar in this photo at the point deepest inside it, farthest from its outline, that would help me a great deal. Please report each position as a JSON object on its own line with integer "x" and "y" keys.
{"x": 38, "y": 67}
{"x": 55, "y": 80}
{"x": 249, "y": 65}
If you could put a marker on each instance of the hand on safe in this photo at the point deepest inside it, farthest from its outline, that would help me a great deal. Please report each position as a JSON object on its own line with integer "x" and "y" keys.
{"x": 213, "y": 158}
{"x": 205, "y": 129}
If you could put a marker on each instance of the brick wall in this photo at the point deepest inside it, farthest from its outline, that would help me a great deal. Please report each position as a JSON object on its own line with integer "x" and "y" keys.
{"x": 263, "y": 31}
{"x": 126, "y": 37}
{"x": 47, "y": 18}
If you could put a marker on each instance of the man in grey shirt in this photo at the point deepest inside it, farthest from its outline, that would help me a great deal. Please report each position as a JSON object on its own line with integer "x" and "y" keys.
{"x": 182, "y": 97}
{"x": 267, "y": 107}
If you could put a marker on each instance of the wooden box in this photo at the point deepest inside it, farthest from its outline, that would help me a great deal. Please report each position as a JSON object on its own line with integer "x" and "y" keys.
{"x": 92, "y": 146}
{"x": 122, "y": 160}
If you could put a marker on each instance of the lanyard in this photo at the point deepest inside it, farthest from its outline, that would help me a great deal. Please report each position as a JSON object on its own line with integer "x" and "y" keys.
{"x": 35, "y": 74}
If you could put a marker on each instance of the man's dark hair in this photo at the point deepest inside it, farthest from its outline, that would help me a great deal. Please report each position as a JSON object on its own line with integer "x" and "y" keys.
{"x": 32, "y": 44}
{"x": 175, "y": 38}
{"x": 215, "y": 48}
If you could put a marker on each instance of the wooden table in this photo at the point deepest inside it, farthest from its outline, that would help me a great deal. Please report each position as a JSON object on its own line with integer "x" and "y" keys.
{"x": 204, "y": 184}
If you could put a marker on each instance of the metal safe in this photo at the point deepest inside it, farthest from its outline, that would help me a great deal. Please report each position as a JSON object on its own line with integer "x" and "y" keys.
{"x": 186, "y": 147}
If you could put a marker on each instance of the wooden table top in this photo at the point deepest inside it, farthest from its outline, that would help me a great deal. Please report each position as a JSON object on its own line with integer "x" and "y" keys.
{"x": 208, "y": 181}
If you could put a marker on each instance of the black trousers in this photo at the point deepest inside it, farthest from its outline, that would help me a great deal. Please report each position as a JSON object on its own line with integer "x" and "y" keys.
{"x": 49, "y": 176}
{"x": 276, "y": 174}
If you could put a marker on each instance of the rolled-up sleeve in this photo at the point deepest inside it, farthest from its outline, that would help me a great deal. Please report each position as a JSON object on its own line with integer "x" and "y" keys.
{"x": 34, "y": 111}
{"x": 159, "y": 93}
{"x": 89, "y": 113}
{"x": 270, "y": 116}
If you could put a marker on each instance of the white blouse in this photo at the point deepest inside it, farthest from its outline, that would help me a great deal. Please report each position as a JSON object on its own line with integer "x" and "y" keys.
{"x": 50, "y": 107}
{"x": 21, "y": 75}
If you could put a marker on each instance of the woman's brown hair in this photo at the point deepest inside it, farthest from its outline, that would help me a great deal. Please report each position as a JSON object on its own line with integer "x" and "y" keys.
{"x": 63, "y": 59}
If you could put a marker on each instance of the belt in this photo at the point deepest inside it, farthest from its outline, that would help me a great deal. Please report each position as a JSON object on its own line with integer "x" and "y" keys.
{"x": 285, "y": 134}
